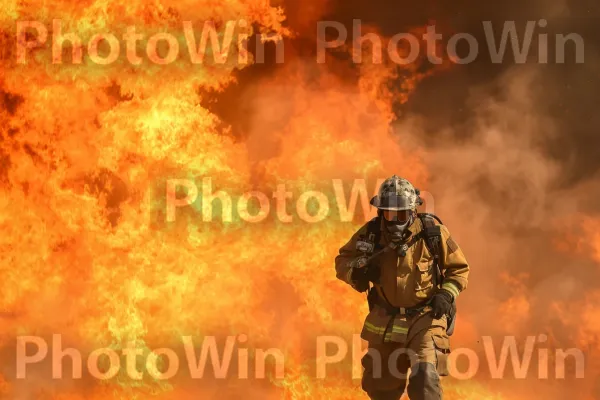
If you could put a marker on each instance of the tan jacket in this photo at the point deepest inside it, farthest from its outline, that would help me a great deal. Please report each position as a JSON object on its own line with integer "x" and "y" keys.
{"x": 407, "y": 281}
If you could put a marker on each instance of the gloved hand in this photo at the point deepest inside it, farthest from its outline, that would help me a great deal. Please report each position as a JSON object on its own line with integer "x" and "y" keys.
{"x": 361, "y": 275}
{"x": 441, "y": 303}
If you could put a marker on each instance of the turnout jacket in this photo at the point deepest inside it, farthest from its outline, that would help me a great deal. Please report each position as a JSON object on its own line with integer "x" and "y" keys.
{"x": 406, "y": 280}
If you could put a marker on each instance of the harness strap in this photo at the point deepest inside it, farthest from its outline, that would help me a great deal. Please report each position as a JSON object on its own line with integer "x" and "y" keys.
{"x": 432, "y": 234}
{"x": 374, "y": 227}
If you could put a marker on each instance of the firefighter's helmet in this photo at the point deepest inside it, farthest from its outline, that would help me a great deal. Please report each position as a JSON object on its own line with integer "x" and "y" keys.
{"x": 396, "y": 194}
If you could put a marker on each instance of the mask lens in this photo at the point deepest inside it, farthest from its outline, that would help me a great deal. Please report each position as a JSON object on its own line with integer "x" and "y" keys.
{"x": 399, "y": 217}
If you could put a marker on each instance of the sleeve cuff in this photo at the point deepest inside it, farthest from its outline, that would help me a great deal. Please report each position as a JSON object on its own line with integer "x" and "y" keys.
{"x": 452, "y": 288}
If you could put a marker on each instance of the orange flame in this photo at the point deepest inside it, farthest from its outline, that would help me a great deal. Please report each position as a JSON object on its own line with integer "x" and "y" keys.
{"x": 85, "y": 152}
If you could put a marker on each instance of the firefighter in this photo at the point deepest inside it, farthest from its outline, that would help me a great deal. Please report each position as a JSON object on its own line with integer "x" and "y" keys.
{"x": 413, "y": 271}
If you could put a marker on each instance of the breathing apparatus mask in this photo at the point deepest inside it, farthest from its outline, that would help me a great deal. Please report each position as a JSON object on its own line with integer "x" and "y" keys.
{"x": 396, "y": 222}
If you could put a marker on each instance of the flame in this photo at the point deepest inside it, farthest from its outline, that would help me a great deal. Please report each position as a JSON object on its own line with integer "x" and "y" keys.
{"x": 85, "y": 154}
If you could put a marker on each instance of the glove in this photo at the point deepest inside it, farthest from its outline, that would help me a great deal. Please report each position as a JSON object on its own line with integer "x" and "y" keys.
{"x": 441, "y": 304}
{"x": 361, "y": 275}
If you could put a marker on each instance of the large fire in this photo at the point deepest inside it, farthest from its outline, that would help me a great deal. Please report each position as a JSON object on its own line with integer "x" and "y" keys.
{"x": 85, "y": 155}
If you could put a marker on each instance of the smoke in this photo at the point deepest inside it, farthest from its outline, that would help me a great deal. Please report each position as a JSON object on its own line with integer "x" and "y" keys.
{"x": 504, "y": 197}
{"x": 508, "y": 152}
{"x": 512, "y": 153}
{"x": 511, "y": 158}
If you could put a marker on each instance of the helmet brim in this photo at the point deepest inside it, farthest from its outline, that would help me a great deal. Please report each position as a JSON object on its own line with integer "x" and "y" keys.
{"x": 392, "y": 203}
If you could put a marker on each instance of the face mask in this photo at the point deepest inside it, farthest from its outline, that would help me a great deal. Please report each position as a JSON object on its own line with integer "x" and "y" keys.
{"x": 396, "y": 229}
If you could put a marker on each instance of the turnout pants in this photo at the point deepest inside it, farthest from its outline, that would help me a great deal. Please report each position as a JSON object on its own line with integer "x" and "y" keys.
{"x": 386, "y": 366}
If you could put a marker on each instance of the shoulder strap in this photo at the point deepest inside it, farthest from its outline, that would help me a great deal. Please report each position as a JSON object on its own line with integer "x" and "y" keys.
{"x": 374, "y": 227}
{"x": 432, "y": 235}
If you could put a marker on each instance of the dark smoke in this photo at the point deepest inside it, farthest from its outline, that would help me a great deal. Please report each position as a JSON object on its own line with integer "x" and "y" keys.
{"x": 512, "y": 150}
